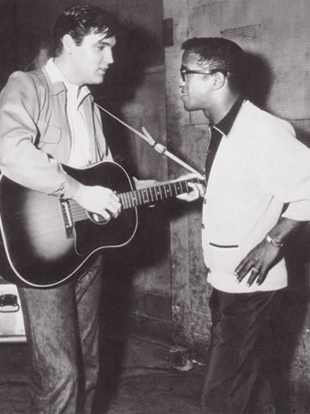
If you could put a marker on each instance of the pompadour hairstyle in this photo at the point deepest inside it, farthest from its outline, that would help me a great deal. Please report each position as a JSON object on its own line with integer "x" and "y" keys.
{"x": 80, "y": 20}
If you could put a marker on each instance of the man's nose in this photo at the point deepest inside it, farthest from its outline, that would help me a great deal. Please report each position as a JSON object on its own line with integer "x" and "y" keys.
{"x": 108, "y": 56}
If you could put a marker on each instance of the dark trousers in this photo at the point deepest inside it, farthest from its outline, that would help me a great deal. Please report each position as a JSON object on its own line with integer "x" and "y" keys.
{"x": 237, "y": 377}
{"x": 62, "y": 331}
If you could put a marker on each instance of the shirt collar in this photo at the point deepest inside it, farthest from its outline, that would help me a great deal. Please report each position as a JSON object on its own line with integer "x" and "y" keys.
{"x": 56, "y": 76}
{"x": 225, "y": 125}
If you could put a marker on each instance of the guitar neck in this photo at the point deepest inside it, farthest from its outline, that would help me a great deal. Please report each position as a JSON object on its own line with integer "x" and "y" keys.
{"x": 151, "y": 195}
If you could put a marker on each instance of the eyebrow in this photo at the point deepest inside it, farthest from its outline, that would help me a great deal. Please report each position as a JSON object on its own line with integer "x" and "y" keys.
{"x": 106, "y": 42}
{"x": 187, "y": 68}
{"x": 103, "y": 42}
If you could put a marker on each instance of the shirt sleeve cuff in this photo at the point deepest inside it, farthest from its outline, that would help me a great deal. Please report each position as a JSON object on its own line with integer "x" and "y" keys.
{"x": 299, "y": 211}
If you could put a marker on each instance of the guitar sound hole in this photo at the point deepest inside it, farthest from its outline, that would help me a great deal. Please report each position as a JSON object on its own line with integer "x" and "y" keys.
{"x": 98, "y": 219}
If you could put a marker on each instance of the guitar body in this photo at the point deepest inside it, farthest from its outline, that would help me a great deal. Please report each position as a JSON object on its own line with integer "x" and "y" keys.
{"x": 43, "y": 244}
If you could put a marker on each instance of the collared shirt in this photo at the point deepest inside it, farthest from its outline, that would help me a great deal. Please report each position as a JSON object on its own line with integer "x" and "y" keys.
{"x": 260, "y": 166}
{"x": 225, "y": 125}
{"x": 217, "y": 133}
{"x": 80, "y": 155}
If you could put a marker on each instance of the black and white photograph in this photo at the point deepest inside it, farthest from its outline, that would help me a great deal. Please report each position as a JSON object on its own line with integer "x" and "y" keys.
{"x": 155, "y": 207}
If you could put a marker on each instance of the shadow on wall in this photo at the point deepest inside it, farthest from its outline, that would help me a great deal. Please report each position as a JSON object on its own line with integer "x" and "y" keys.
{"x": 259, "y": 79}
{"x": 291, "y": 323}
{"x": 135, "y": 51}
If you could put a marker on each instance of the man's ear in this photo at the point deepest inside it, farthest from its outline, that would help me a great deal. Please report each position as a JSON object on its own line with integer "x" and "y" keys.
{"x": 219, "y": 80}
{"x": 68, "y": 43}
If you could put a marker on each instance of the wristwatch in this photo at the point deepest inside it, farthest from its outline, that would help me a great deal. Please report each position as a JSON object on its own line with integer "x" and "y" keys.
{"x": 274, "y": 242}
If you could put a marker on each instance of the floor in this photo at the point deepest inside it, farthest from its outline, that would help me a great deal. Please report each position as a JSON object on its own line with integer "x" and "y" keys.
{"x": 138, "y": 375}
{"x": 142, "y": 381}
{"x": 146, "y": 384}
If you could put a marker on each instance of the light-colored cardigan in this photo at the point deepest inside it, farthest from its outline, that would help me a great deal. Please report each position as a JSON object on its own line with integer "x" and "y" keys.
{"x": 259, "y": 167}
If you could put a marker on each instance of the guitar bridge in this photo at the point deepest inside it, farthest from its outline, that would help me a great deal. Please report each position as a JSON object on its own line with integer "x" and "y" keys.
{"x": 65, "y": 208}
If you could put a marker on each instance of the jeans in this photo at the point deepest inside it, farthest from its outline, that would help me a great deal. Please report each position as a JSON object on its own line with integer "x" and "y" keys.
{"x": 62, "y": 325}
{"x": 237, "y": 377}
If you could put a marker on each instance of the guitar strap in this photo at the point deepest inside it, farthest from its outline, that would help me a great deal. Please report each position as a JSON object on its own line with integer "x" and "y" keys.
{"x": 147, "y": 137}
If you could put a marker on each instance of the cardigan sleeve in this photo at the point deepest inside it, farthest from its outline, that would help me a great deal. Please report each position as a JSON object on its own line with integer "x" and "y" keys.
{"x": 283, "y": 168}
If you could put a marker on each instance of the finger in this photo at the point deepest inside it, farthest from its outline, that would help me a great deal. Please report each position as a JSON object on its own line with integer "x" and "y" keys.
{"x": 202, "y": 190}
{"x": 242, "y": 270}
{"x": 114, "y": 199}
{"x": 239, "y": 268}
{"x": 253, "y": 275}
{"x": 115, "y": 206}
{"x": 261, "y": 278}
{"x": 114, "y": 202}
{"x": 104, "y": 216}
{"x": 198, "y": 190}
{"x": 112, "y": 211}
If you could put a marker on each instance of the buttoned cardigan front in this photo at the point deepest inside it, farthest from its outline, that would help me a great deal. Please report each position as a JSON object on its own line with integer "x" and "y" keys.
{"x": 260, "y": 173}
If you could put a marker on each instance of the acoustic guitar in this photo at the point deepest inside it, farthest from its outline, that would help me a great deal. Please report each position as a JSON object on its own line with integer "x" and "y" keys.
{"x": 46, "y": 240}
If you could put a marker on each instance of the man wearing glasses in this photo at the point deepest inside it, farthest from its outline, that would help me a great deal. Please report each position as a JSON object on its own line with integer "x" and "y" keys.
{"x": 257, "y": 195}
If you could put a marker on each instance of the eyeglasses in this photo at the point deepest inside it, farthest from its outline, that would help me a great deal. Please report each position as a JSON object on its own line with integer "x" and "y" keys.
{"x": 184, "y": 72}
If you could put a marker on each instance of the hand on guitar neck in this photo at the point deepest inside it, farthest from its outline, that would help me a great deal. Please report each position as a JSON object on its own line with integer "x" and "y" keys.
{"x": 104, "y": 202}
{"x": 198, "y": 188}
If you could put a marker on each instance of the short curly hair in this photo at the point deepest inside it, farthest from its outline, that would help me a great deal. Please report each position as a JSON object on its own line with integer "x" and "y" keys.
{"x": 221, "y": 54}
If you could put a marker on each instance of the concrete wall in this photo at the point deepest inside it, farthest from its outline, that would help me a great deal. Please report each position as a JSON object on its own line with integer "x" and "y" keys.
{"x": 277, "y": 34}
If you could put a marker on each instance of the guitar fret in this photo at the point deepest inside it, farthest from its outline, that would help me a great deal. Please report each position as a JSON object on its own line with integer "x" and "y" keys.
{"x": 124, "y": 201}
{"x": 142, "y": 197}
{"x": 129, "y": 200}
{"x": 132, "y": 199}
{"x": 175, "y": 186}
{"x": 156, "y": 194}
{"x": 139, "y": 199}
{"x": 168, "y": 190}
{"x": 149, "y": 195}
{"x": 141, "y": 194}
{"x": 121, "y": 197}
{"x": 165, "y": 189}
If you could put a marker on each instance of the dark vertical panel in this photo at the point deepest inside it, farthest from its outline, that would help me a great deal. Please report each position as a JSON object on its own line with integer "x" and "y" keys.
{"x": 8, "y": 23}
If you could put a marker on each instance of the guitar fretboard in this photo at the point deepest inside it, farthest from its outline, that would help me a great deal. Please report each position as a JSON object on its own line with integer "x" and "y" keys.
{"x": 155, "y": 194}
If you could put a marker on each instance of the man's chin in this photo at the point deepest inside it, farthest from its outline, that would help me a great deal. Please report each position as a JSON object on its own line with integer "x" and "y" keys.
{"x": 97, "y": 80}
{"x": 186, "y": 106}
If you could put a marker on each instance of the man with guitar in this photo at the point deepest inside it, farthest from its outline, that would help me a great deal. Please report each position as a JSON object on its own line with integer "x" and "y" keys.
{"x": 257, "y": 195}
{"x": 50, "y": 135}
